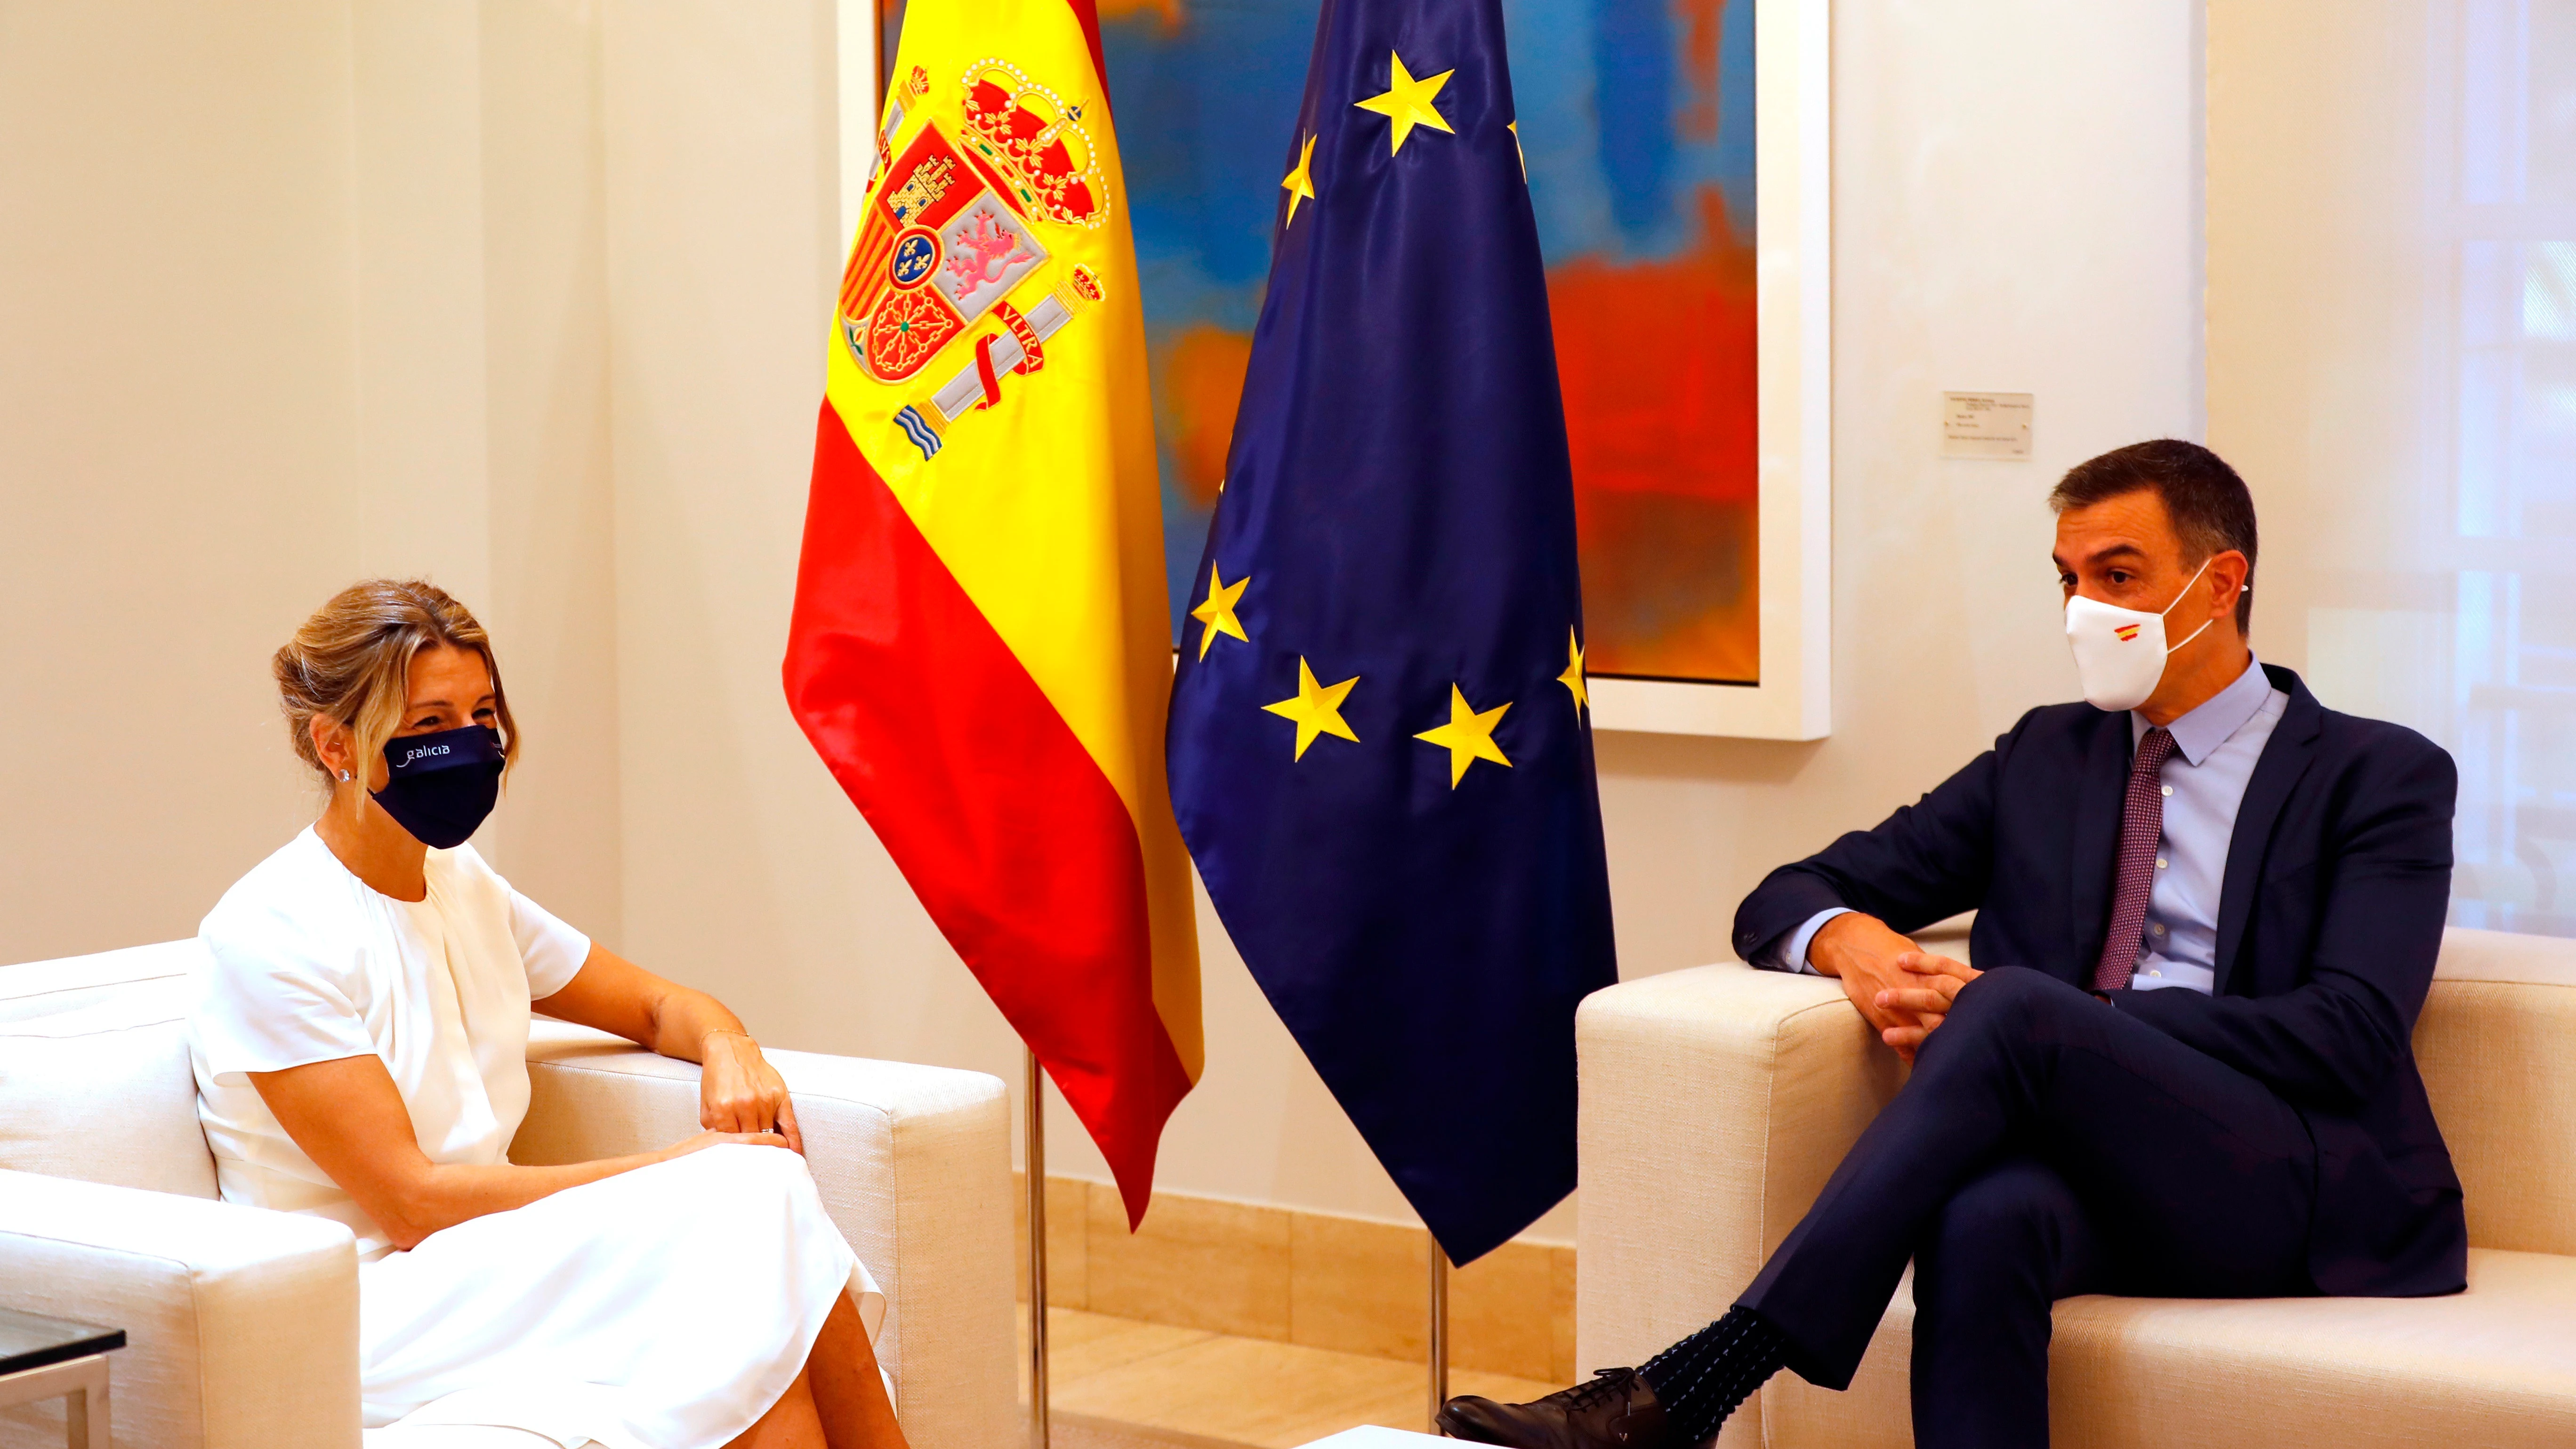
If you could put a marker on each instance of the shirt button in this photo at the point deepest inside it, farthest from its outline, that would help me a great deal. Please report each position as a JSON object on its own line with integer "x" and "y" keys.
{"x": 2169, "y": 789}
{"x": 2160, "y": 862}
{"x": 2157, "y": 928}
{"x": 2156, "y": 973}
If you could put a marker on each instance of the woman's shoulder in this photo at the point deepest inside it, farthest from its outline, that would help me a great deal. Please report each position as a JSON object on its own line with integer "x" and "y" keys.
{"x": 294, "y": 872}
{"x": 287, "y": 907}
{"x": 288, "y": 975}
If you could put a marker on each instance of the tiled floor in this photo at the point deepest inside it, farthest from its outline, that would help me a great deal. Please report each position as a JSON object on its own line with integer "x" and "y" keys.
{"x": 1120, "y": 1381}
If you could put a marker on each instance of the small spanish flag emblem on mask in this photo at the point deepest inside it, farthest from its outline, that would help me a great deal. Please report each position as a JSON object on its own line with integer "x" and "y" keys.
{"x": 2126, "y": 632}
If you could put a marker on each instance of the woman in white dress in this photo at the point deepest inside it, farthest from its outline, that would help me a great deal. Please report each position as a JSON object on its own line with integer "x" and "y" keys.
{"x": 360, "y": 1055}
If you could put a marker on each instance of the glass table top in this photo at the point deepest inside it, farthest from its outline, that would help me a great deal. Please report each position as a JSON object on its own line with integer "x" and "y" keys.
{"x": 31, "y": 1340}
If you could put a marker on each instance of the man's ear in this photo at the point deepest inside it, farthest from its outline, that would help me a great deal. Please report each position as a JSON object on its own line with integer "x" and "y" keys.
{"x": 2227, "y": 578}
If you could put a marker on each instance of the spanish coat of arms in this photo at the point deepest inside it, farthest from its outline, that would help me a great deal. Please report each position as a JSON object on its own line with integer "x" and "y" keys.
{"x": 952, "y": 233}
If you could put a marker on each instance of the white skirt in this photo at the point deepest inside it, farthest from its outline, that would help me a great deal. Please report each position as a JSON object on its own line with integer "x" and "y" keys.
{"x": 664, "y": 1308}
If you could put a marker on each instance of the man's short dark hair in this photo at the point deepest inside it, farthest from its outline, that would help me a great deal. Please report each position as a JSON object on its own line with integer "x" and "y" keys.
{"x": 2211, "y": 510}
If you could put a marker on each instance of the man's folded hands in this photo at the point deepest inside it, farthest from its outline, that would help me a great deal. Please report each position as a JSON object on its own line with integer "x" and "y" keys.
{"x": 1900, "y": 989}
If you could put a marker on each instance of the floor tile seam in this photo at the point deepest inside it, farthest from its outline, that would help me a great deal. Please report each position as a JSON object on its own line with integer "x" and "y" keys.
{"x": 1292, "y": 1342}
{"x": 1144, "y": 1358}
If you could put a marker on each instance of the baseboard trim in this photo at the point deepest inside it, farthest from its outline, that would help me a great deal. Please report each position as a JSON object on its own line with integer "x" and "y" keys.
{"x": 1318, "y": 1279}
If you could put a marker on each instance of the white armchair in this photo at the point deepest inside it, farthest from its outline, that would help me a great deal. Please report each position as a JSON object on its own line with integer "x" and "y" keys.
{"x": 1717, "y": 1101}
{"x": 242, "y": 1324}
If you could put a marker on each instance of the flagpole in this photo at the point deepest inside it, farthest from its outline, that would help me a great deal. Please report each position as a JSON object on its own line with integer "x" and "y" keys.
{"x": 1439, "y": 1332}
{"x": 885, "y": 64}
{"x": 1036, "y": 1152}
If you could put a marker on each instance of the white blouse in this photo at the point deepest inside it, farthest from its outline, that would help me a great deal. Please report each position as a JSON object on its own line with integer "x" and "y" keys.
{"x": 313, "y": 965}
{"x": 663, "y": 1308}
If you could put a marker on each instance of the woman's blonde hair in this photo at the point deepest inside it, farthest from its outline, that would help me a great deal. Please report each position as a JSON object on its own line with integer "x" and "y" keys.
{"x": 351, "y": 662}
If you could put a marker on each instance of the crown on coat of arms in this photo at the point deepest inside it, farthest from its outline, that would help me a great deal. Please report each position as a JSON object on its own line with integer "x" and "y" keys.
{"x": 1035, "y": 141}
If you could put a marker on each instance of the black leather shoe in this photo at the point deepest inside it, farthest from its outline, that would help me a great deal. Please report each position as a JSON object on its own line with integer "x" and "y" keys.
{"x": 1615, "y": 1410}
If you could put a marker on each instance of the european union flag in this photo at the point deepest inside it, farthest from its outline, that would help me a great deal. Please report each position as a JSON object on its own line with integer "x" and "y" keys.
{"x": 1380, "y": 744}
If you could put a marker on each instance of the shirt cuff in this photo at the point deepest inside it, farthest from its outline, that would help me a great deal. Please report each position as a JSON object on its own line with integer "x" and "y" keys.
{"x": 1791, "y": 950}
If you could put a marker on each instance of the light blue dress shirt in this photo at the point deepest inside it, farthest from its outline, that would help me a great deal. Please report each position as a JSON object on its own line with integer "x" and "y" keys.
{"x": 2215, "y": 747}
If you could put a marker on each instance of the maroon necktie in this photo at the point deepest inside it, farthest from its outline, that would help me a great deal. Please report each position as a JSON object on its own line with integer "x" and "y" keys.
{"x": 2142, "y": 824}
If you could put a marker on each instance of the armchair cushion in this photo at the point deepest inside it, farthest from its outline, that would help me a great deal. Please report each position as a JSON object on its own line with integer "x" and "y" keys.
{"x": 103, "y": 1093}
{"x": 2494, "y": 1367}
{"x": 50, "y": 988}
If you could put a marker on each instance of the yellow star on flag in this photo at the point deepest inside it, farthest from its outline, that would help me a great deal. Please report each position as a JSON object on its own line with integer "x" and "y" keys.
{"x": 1468, "y": 736}
{"x": 1317, "y": 709}
{"x": 1217, "y": 613}
{"x": 1572, "y": 678}
{"x": 1300, "y": 184}
{"x": 1407, "y": 102}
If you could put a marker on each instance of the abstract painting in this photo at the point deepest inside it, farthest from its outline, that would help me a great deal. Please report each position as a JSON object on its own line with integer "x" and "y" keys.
{"x": 1637, "y": 121}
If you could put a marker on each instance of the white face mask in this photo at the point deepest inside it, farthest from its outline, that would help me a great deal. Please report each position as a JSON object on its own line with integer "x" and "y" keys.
{"x": 2120, "y": 653}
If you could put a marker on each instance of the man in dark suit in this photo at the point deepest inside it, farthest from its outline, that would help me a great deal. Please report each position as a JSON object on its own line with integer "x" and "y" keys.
{"x": 2207, "y": 913}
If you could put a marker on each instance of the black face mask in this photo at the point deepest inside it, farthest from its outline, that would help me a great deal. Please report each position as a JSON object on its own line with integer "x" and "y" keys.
{"x": 440, "y": 786}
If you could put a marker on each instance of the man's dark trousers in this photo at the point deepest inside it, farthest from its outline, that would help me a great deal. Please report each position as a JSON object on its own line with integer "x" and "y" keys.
{"x": 2046, "y": 1146}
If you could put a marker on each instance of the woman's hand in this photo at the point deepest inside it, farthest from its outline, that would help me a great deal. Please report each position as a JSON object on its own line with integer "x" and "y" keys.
{"x": 705, "y": 1140}
{"x": 739, "y": 1091}
{"x": 1937, "y": 982}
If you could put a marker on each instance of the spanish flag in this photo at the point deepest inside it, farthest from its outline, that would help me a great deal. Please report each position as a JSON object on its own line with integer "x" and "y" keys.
{"x": 981, "y": 642}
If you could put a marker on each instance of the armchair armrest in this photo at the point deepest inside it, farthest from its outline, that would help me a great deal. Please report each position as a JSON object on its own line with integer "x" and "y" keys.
{"x": 914, "y": 1165}
{"x": 241, "y": 1325}
{"x": 1715, "y": 1103}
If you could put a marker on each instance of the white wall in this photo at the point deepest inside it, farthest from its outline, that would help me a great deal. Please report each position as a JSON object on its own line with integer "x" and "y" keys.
{"x": 2389, "y": 208}
{"x": 2326, "y": 336}
{"x": 177, "y": 435}
{"x": 293, "y": 293}
{"x": 552, "y": 523}
{"x": 557, "y": 273}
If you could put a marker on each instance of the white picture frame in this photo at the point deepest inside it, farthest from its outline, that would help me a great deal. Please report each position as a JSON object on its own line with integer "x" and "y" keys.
{"x": 1793, "y": 309}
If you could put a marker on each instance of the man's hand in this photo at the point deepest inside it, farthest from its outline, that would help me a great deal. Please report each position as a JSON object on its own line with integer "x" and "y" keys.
{"x": 1863, "y": 952}
{"x": 1936, "y": 982}
{"x": 739, "y": 1091}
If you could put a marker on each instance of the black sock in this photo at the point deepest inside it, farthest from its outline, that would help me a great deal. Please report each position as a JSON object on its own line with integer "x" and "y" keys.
{"x": 1701, "y": 1379}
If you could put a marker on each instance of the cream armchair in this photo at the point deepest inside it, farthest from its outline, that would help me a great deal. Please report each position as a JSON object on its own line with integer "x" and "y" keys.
{"x": 242, "y": 1324}
{"x": 1716, "y": 1102}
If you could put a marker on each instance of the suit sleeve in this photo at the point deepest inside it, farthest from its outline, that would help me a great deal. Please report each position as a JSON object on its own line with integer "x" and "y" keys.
{"x": 1928, "y": 861}
{"x": 2334, "y": 1039}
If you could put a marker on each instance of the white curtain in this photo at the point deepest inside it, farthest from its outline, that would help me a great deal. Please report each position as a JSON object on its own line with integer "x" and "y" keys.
{"x": 2392, "y": 365}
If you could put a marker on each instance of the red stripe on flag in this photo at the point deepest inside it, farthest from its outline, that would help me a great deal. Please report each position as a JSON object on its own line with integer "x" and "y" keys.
{"x": 996, "y": 814}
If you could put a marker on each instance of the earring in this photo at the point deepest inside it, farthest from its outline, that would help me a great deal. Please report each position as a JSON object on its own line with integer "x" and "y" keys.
{"x": 344, "y": 777}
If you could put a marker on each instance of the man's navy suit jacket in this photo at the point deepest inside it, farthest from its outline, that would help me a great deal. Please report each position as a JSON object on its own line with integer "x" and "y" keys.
{"x": 2338, "y": 879}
